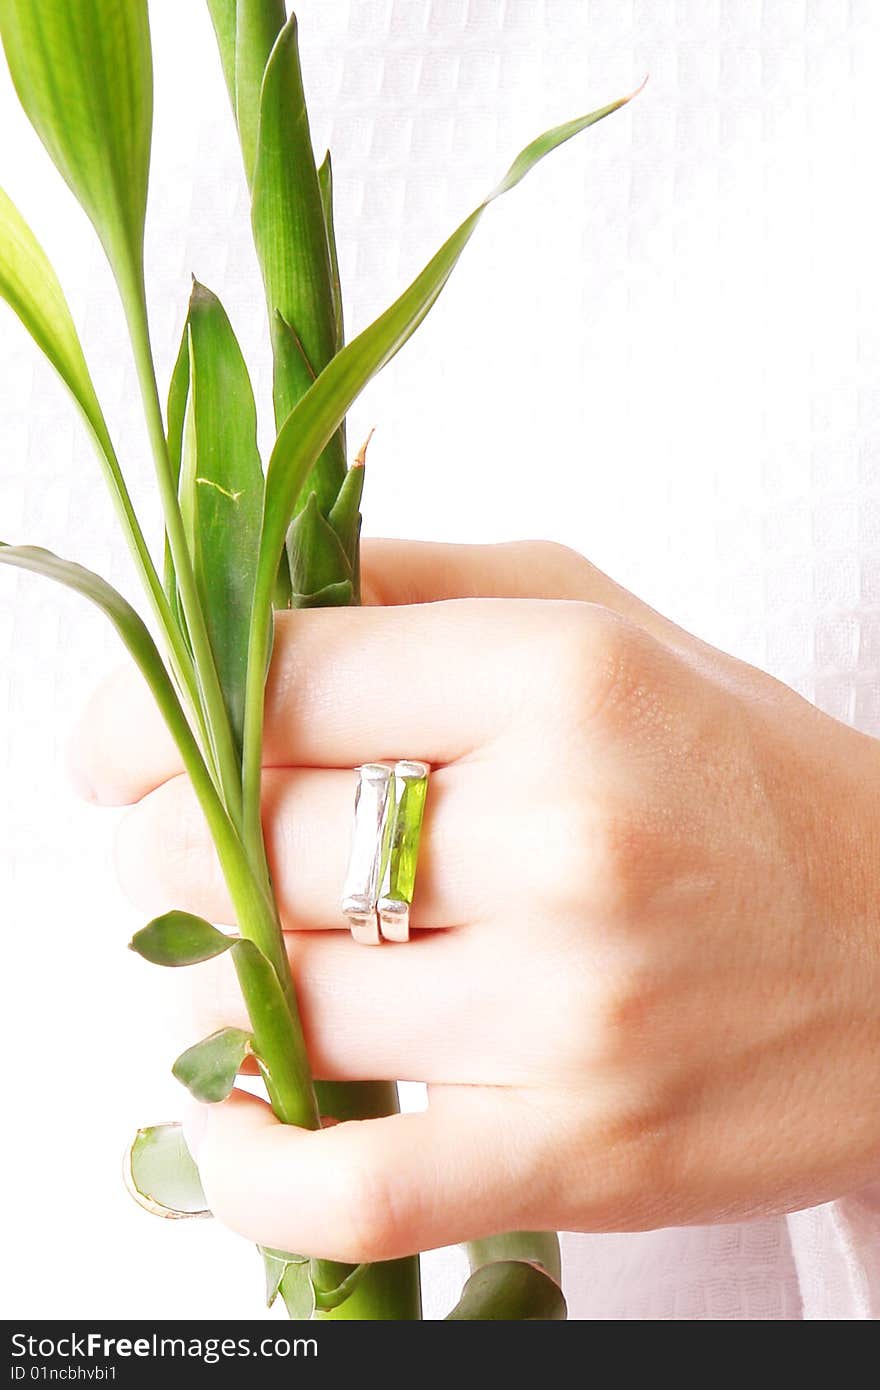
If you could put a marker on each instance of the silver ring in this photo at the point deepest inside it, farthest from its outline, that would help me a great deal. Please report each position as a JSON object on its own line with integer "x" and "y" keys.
{"x": 389, "y": 806}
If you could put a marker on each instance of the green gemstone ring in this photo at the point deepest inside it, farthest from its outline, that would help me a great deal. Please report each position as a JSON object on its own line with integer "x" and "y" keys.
{"x": 389, "y": 807}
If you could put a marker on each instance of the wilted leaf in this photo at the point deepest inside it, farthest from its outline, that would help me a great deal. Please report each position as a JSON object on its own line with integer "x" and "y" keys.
{"x": 161, "y": 1176}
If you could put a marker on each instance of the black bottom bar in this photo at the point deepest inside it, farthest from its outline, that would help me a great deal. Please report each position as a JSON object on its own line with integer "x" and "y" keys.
{"x": 122, "y": 1354}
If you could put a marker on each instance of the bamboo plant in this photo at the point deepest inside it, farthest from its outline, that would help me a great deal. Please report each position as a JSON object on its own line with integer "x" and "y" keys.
{"x": 239, "y": 541}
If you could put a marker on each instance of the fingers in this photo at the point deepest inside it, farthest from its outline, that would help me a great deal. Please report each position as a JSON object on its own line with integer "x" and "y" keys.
{"x": 368, "y": 1014}
{"x": 439, "y": 1009}
{"x": 166, "y": 859}
{"x": 351, "y": 685}
{"x": 401, "y": 572}
{"x": 374, "y": 1189}
{"x": 121, "y": 747}
{"x": 431, "y": 680}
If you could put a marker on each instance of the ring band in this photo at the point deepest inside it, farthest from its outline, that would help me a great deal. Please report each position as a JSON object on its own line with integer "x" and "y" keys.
{"x": 389, "y": 808}
{"x": 361, "y": 889}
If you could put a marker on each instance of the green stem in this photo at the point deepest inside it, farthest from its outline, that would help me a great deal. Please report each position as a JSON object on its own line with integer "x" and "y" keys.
{"x": 216, "y": 717}
{"x": 390, "y": 1291}
{"x": 277, "y": 1031}
{"x": 259, "y": 654}
{"x": 383, "y": 1293}
{"x": 177, "y": 648}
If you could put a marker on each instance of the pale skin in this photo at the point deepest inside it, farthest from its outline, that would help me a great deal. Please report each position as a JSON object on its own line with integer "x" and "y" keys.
{"x": 644, "y": 980}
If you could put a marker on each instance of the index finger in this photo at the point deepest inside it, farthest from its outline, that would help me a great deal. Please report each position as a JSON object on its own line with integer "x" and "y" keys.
{"x": 430, "y": 681}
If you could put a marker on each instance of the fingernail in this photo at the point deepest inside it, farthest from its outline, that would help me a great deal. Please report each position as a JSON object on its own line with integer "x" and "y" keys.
{"x": 195, "y": 1122}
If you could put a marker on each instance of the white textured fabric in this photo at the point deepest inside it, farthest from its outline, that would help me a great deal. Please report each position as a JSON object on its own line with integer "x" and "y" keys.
{"x": 663, "y": 350}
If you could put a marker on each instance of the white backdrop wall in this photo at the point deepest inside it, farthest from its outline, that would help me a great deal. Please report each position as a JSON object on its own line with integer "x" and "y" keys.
{"x": 663, "y": 350}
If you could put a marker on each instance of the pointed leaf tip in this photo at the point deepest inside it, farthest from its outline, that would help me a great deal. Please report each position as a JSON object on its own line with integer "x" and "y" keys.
{"x": 179, "y": 938}
{"x": 314, "y": 420}
{"x": 214, "y": 430}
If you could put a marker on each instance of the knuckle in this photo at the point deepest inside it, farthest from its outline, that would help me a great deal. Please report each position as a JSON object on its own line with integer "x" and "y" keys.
{"x": 553, "y": 559}
{"x": 583, "y": 856}
{"x": 567, "y": 1028}
{"x": 561, "y": 856}
{"x": 615, "y": 856}
{"x": 584, "y": 657}
{"x": 623, "y": 1012}
{"x": 157, "y": 843}
{"x": 177, "y": 835}
{"x": 605, "y": 1020}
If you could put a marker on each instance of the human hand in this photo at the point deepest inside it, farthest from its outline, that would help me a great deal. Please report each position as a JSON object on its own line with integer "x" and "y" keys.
{"x": 644, "y": 983}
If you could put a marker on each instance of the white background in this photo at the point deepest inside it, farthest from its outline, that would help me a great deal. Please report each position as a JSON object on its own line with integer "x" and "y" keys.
{"x": 664, "y": 349}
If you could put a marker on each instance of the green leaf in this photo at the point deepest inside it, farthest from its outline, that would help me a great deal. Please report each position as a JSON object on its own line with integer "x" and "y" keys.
{"x": 284, "y": 1256}
{"x": 297, "y": 1290}
{"x": 288, "y": 214}
{"x": 142, "y": 648}
{"x": 331, "y": 596}
{"x": 345, "y": 518}
{"x": 259, "y": 22}
{"x": 325, "y": 183}
{"x": 535, "y": 1247}
{"x": 293, "y": 373}
{"x": 261, "y": 987}
{"x": 317, "y": 559}
{"x": 328, "y": 1299}
{"x": 389, "y": 1290}
{"x": 513, "y": 1276}
{"x": 290, "y": 235}
{"x": 509, "y": 1290}
{"x": 246, "y": 31}
{"x": 127, "y": 623}
{"x": 178, "y": 393}
{"x": 274, "y": 1271}
{"x": 345, "y": 514}
{"x": 29, "y": 284}
{"x": 179, "y": 938}
{"x": 275, "y": 1262}
{"x": 292, "y": 376}
{"x": 221, "y": 489}
{"x": 161, "y": 1176}
{"x": 224, "y": 18}
{"x": 209, "y": 1068}
{"x": 313, "y": 422}
{"x": 83, "y": 74}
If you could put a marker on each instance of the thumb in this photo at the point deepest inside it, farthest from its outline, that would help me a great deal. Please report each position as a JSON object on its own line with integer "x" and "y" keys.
{"x": 367, "y": 1190}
